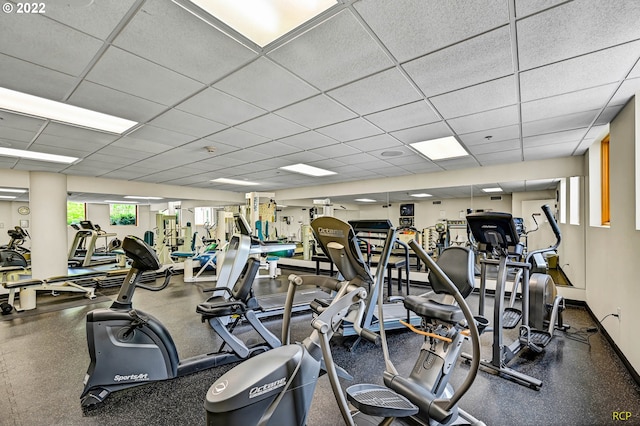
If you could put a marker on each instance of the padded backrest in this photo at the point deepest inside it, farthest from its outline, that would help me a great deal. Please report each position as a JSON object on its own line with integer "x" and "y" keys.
{"x": 458, "y": 264}
{"x": 242, "y": 288}
{"x": 348, "y": 259}
{"x": 193, "y": 241}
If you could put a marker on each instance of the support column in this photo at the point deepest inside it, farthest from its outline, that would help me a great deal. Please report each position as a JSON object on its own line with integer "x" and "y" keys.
{"x": 48, "y": 204}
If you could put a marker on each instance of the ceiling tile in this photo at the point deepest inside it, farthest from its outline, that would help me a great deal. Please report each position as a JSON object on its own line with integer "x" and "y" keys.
{"x": 308, "y": 140}
{"x": 627, "y": 90}
{"x": 274, "y": 149}
{"x": 405, "y": 116}
{"x": 168, "y": 35}
{"x": 608, "y": 114}
{"x": 39, "y": 166}
{"x": 606, "y": 66}
{"x": 350, "y": 130}
{"x": 473, "y": 61}
{"x": 236, "y": 138}
{"x": 335, "y": 151}
{"x": 410, "y": 28}
{"x": 423, "y": 133}
{"x": 43, "y": 42}
{"x": 496, "y": 135}
{"x": 378, "y": 92}
{"x": 379, "y": 142}
{"x": 554, "y": 138}
{"x": 582, "y": 100}
{"x": 79, "y": 147}
{"x": 272, "y": 126}
{"x": 357, "y": 56}
{"x": 21, "y": 122}
{"x": 95, "y": 18}
{"x": 102, "y": 99}
{"x": 75, "y": 136}
{"x": 188, "y": 124}
{"x": 550, "y": 151}
{"x": 635, "y": 72}
{"x": 559, "y": 124}
{"x": 33, "y": 79}
{"x": 117, "y": 151}
{"x": 262, "y": 82}
{"x": 458, "y": 163}
{"x": 527, "y": 7}
{"x": 316, "y": 112}
{"x": 128, "y": 73}
{"x": 494, "y": 147}
{"x": 485, "y": 120}
{"x": 306, "y": 157}
{"x": 512, "y": 156}
{"x": 356, "y": 158}
{"x": 141, "y": 145}
{"x": 482, "y": 97}
{"x": 163, "y": 136}
{"x": 543, "y": 38}
{"x": 422, "y": 166}
{"x": 220, "y": 107}
{"x": 51, "y": 148}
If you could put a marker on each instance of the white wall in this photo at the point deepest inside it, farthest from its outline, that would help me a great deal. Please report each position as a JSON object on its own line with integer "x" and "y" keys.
{"x": 612, "y": 253}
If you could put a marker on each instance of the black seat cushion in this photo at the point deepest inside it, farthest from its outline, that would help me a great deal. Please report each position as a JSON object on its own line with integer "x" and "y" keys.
{"x": 431, "y": 309}
{"x": 219, "y": 306}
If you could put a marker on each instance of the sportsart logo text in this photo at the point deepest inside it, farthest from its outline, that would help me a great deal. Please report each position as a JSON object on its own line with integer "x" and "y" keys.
{"x": 135, "y": 377}
{"x": 259, "y": 390}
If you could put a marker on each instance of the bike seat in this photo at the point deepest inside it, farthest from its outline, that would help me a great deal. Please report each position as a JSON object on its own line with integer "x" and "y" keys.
{"x": 431, "y": 309}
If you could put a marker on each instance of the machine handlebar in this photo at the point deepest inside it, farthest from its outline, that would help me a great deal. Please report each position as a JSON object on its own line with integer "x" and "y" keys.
{"x": 554, "y": 225}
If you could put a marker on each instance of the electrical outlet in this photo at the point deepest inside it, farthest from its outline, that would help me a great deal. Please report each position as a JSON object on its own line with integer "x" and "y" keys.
{"x": 619, "y": 312}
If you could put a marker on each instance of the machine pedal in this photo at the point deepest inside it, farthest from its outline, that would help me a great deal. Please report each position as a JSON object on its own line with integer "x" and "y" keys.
{"x": 380, "y": 401}
{"x": 511, "y": 317}
{"x": 540, "y": 338}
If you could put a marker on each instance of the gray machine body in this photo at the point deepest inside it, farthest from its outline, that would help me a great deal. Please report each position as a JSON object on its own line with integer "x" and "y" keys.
{"x": 276, "y": 386}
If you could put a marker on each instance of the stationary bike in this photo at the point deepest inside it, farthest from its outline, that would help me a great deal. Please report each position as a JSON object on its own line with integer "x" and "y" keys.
{"x": 276, "y": 388}
{"x": 130, "y": 348}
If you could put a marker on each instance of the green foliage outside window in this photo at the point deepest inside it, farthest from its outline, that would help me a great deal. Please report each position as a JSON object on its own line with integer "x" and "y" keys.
{"x": 75, "y": 212}
{"x": 123, "y": 214}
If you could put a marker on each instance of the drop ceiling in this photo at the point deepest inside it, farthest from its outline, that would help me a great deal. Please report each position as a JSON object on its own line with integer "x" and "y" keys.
{"x": 512, "y": 80}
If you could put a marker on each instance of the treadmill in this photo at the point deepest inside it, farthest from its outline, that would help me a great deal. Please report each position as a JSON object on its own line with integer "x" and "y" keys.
{"x": 241, "y": 247}
{"x": 83, "y": 249}
{"x": 341, "y": 242}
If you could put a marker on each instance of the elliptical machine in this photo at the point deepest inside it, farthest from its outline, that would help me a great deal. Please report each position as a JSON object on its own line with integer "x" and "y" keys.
{"x": 542, "y": 307}
{"x": 131, "y": 348}
{"x": 276, "y": 388}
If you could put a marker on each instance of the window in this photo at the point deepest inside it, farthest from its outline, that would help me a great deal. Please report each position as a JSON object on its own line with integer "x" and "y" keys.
{"x": 604, "y": 181}
{"x": 563, "y": 200}
{"x": 123, "y": 214}
{"x": 203, "y": 216}
{"x": 574, "y": 200}
{"x": 76, "y": 212}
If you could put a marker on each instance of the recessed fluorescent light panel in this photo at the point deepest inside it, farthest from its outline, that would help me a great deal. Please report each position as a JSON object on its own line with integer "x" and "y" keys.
{"x": 422, "y": 195}
{"x": 18, "y": 191}
{"x": 492, "y": 189}
{"x": 365, "y": 200}
{"x": 308, "y": 170}
{"x": 262, "y": 21}
{"x": 8, "y": 197}
{"x": 22, "y": 103}
{"x": 235, "y": 182}
{"x": 135, "y": 197}
{"x": 32, "y": 155}
{"x": 441, "y": 149}
{"x": 120, "y": 202}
